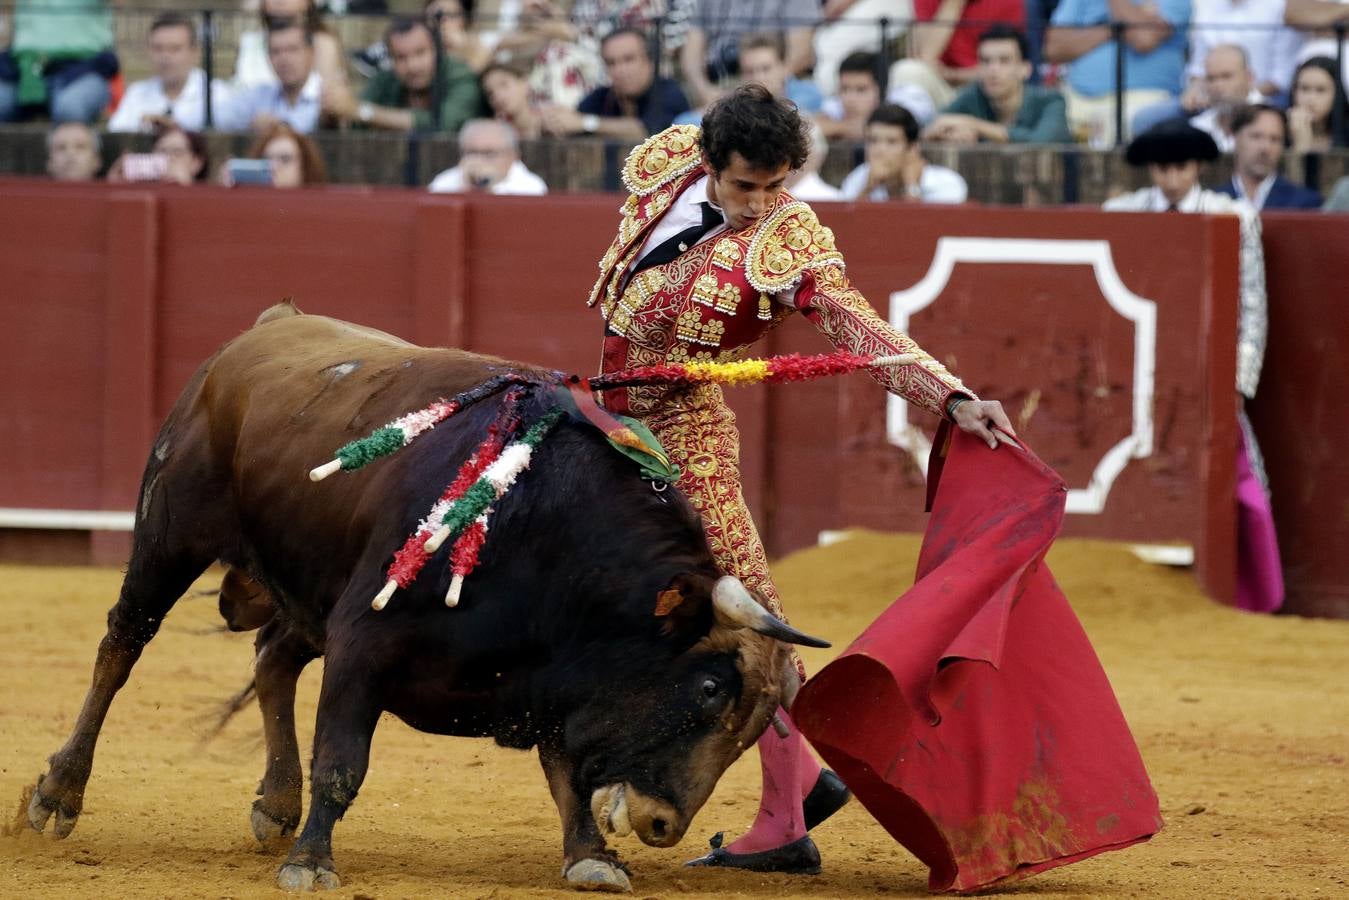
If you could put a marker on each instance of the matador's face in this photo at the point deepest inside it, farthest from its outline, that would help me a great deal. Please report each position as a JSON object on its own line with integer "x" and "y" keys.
{"x": 743, "y": 192}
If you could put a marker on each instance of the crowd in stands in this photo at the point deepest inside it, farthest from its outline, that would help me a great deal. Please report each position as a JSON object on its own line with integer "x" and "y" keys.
{"x": 1260, "y": 77}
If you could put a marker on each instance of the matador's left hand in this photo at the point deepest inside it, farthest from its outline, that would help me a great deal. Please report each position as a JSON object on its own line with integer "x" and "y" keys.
{"x": 986, "y": 419}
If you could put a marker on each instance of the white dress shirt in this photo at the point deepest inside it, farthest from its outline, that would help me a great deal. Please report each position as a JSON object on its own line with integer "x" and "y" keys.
{"x": 188, "y": 109}
{"x": 685, "y": 212}
{"x": 1261, "y": 192}
{"x": 246, "y": 105}
{"x": 937, "y": 184}
{"x": 518, "y": 181}
{"x": 1257, "y": 26}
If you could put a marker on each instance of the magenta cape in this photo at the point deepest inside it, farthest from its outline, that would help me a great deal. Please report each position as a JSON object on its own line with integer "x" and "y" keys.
{"x": 973, "y": 719}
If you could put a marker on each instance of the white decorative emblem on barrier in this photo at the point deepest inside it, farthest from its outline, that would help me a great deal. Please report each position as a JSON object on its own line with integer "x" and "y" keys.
{"x": 1139, "y": 310}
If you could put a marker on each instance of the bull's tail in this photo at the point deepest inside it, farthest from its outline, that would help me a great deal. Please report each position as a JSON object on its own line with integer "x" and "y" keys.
{"x": 229, "y": 709}
{"x": 283, "y": 310}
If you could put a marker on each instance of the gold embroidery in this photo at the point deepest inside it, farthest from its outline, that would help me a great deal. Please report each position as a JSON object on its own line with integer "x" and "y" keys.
{"x": 724, "y": 299}
{"x": 727, "y": 254}
{"x": 845, "y": 317}
{"x": 697, "y": 430}
{"x": 789, "y": 242}
{"x": 765, "y": 307}
{"x": 662, "y": 158}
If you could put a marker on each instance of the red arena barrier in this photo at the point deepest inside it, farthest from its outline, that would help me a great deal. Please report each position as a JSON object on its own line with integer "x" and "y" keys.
{"x": 1111, "y": 345}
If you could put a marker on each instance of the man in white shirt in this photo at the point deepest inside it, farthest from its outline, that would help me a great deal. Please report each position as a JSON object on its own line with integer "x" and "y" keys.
{"x": 1229, "y": 84}
{"x": 294, "y": 98}
{"x": 895, "y": 168}
{"x": 489, "y": 162}
{"x": 177, "y": 93}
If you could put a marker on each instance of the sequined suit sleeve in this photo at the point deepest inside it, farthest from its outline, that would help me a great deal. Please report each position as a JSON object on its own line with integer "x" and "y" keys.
{"x": 1253, "y": 326}
{"x": 827, "y": 298}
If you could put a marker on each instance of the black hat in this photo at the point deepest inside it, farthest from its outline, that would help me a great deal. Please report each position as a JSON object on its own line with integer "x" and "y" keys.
{"x": 1175, "y": 141}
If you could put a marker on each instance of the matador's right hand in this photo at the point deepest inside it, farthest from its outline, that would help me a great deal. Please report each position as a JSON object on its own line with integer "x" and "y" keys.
{"x": 986, "y": 419}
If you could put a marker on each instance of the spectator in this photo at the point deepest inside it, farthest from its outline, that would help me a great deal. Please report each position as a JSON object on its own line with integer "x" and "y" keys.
{"x": 852, "y": 25}
{"x": 561, "y": 72}
{"x": 1173, "y": 152}
{"x": 895, "y": 168}
{"x": 457, "y": 38}
{"x": 251, "y": 67}
{"x": 59, "y": 61}
{"x": 400, "y": 100}
{"x": 1154, "y": 59}
{"x": 1320, "y": 17}
{"x": 177, "y": 93}
{"x": 944, "y": 51}
{"x": 845, "y": 116}
{"x": 637, "y": 103}
{"x": 73, "y": 152}
{"x": 594, "y": 19}
{"x": 186, "y": 158}
{"x": 489, "y": 162}
{"x": 507, "y": 91}
{"x": 295, "y": 159}
{"x": 805, "y": 183}
{"x": 1317, "y": 94}
{"x": 1001, "y": 106}
{"x": 711, "y": 50}
{"x": 1261, "y": 131}
{"x": 763, "y": 61}
{"x": 1229, "y": 85}
{"x": 295, "y": 98}
{"x": 1258, "y": 29}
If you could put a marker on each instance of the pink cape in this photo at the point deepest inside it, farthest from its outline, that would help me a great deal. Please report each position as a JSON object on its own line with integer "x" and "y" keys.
{"x": 973, "y": 719}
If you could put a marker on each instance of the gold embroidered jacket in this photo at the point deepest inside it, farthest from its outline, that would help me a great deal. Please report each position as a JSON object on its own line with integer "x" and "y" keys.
{"x": 716, "y": 299}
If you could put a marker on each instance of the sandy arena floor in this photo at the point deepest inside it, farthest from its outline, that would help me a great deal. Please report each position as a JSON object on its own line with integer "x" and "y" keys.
{"x": 1243, "y": 721}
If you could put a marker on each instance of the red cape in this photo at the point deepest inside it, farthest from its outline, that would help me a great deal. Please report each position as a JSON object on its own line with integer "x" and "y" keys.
{"x": 973, "y": 719}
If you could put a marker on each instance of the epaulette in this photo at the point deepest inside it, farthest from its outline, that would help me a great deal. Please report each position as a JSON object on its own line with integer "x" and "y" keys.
{"x": 789, "y": 243}
{"x": 662, "y": 158}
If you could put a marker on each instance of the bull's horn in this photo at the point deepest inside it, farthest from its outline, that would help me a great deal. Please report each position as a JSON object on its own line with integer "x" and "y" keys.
{"x": 735, "y": 607}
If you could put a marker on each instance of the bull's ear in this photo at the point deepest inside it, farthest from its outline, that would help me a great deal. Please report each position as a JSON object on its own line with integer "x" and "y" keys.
{"x": 685, "y": 606}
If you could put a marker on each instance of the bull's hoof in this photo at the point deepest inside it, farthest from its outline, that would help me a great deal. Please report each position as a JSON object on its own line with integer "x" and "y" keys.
{"x": 40, "y": 809}
{"x": 268, "y": 828}
{"x": 295, "y": 877}
{"x": 597, "y": 875}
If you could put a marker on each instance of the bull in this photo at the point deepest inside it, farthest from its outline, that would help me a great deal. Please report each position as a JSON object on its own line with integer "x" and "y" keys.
{"x": 559, "y": 642}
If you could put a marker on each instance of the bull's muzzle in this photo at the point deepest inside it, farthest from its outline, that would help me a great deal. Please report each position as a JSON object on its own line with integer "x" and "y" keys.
{"x": 620, "y": 810}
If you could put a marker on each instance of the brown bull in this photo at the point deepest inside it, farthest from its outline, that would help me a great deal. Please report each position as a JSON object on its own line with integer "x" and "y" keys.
{"x": 558, "y": 641}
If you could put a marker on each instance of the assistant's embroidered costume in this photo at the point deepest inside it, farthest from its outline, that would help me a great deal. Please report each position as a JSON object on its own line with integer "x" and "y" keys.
{"x": 713, "y": 302}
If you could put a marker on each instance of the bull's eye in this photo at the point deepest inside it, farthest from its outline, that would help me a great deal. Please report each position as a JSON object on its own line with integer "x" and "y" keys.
{"x": 711, "y": 687}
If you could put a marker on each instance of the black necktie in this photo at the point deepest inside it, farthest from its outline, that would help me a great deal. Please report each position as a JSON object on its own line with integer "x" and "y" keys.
{"x": 669, "y": 249}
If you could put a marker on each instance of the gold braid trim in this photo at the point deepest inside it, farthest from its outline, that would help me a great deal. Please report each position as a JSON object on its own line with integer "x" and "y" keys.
{"x": 785, "y": 246}
{"x": 662, "y": 158}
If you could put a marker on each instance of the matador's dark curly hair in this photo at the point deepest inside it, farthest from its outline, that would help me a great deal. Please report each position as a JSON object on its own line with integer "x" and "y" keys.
{"x": 765, "y": 130}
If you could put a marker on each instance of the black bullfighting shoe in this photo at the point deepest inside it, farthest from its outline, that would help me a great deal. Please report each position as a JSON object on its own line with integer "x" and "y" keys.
{"x": 827, "y": 797}
{"x": 800, "y": 857}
